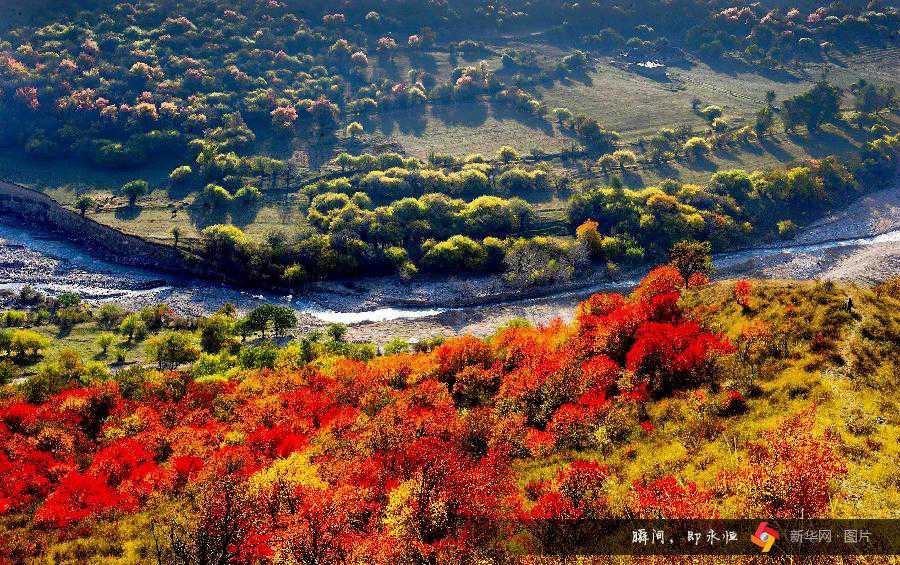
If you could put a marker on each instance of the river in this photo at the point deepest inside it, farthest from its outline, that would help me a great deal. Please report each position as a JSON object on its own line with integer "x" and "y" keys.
{"x": 863, "y": 243}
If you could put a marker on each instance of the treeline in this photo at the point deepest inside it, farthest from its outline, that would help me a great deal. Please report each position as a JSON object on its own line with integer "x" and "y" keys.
{"x": 759, "y": 34}
{"x": 153, "y": 336}
{"x": 349, "y": 234}
{"x": 734, "y": 207}
{"x": 389, "y": 176}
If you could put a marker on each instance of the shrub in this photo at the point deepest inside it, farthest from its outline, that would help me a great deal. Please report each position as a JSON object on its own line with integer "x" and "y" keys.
{"x": 14, "y": 318}
{"x": 711, "y": 113}
{"x": 786, "y": 229}
{"x": 792, "y": 472}
{"x": 180, "y": 174}
{"x": 696, "y": 149}
{"x": 457, "y": 253}
{"x": 28, "y": 342}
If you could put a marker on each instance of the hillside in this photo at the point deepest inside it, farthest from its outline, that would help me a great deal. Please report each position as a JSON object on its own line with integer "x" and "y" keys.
{"x": 732, "y": 399}
{"x": 303, "y": 142}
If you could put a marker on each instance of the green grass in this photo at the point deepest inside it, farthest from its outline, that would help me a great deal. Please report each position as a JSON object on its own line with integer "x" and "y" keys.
{"x": 469, "y": 127}
{"x": 153, "y": 216}
{"x": 82, "y": 339}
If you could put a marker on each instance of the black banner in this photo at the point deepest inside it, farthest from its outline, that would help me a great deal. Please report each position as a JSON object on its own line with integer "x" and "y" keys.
{"x": 712, "y": 537}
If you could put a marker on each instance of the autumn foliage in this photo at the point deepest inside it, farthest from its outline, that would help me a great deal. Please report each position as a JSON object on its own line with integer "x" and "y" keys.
{"x": 742, "y": 291}
{"x": 407, "y": 457}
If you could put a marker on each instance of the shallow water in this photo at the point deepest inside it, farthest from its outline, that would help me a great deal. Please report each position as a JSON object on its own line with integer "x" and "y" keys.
{"x": 55, "y": 266}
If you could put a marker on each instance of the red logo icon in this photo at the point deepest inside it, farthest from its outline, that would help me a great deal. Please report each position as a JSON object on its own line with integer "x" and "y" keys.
{"x": 764, "y": 537}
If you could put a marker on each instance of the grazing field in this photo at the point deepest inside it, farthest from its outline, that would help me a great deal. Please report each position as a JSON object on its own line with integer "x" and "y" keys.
{"x": 470, "y": 127}
{"x": 158, "y": 212}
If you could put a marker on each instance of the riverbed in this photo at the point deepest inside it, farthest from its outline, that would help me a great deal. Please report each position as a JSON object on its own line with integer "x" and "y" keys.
{"x": 861, "y": 243}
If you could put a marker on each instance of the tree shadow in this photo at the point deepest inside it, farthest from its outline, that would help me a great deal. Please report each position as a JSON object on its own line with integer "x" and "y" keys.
{"x": 701, "y": 164}
{"x": 280, "y": 146}
{"x": 242, "y": 216}
{"x": 858, "y": 135}
{"x": 506, "y": 113}
{"x": 728, "y": 67}
{"x": 468, "y": 114}
{"x": 204, "y": 216}
{"x": 733, "y": 67}
{"x": 390, "y": 69}
{"x": 27, "y": 360}
{"x": 633, "y": 179}
{"x": 128, "y": 213}
{"x": 423, "y": 61}
{"x": 408, "y": 121}
{"x": 823, "y": 143}
{"x": 180, "y": 191}
{"x": 775, "y": 150}
{"x": 319, "y": 151}
{"x": 582, "y": 76}
{"x": 665, "y": 169}
{"x": 727, "y": 154}
{"x": 777, "y": 75}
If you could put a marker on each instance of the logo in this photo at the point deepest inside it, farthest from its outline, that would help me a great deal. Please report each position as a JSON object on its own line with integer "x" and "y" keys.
{"x": 764, "y": 537}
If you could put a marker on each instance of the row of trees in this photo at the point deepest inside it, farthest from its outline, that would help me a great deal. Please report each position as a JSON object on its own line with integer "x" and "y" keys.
{"x": 348, "y": 232}
{"x": 733, "y": 205}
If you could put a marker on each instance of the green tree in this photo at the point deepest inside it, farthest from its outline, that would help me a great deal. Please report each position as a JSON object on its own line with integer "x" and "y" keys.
{"x": 711, "y": 113}
{"x": 104, "y": 341}
{"x": 134, "y": 190}
{"x": 53, "y": 375}
{"x": 819, "y": 105}
{"x": 281, "y": 318}
{"x": 764, "y": 120}
{"x": 691, "y": 257}
{"x": 294, "y": 276}
{"x": 170, "y": 349}
{"x": 25, "y": 342}
{"x": 69, "y": 300}
{"x": 507, "y": 154}
{"x": 336, "y": 332}
{"x": 6, "y": 341}
{"x": 216, "y": 332}
{"x": 625, "y": 158}
{"x": 84, "y": 203}
{"x": 14, "y": 318}
{"x": 562, "y": 115}
{"x": 607, "y": 163}
{"x": 109, "y": 316}
{"x": 8, "y": 372}
{"x": 354, "y": 130}
{"x": 133, "y": 327}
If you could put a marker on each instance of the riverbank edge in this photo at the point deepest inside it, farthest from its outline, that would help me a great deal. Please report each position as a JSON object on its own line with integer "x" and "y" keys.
{"x": 105, "y": 242}
{"x": 123, "y": 248}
